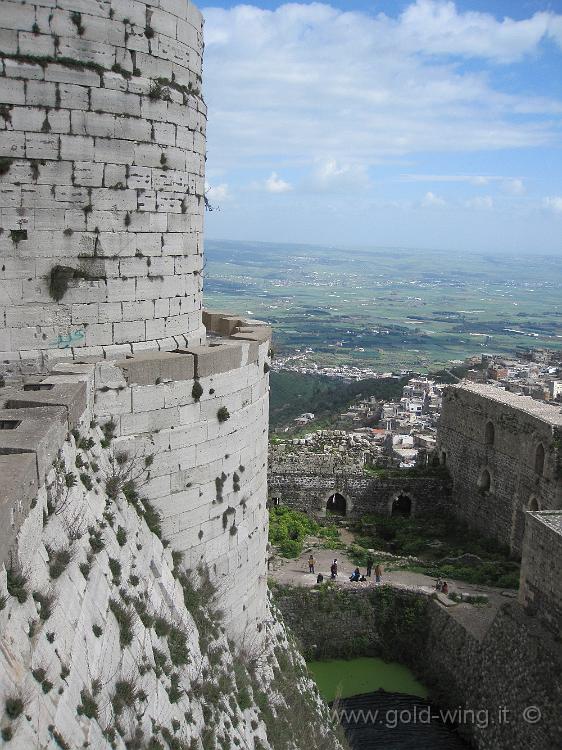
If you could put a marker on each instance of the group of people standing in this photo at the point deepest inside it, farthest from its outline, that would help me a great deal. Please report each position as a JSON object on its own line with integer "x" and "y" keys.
{"x": 354, "y": 577}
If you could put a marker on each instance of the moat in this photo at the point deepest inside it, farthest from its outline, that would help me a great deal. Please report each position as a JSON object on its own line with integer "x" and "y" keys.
{"x": 382, "y": 704}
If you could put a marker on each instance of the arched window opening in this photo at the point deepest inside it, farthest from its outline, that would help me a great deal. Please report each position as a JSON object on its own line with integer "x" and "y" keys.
{"x": 336, "y": 505}
{"x": 485, "y": 481}
{"x": 539, "y": 459}
{"x": 490, "y": 434}
{"x": 402, "y": 506}
{"x": 443, "y": 458}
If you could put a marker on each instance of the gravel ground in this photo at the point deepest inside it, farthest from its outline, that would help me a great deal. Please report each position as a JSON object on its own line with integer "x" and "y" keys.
{"x": 476, "y": 618}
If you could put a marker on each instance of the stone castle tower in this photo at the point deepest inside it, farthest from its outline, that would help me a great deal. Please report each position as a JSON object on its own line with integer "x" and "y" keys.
{"x": 102, "y": 158}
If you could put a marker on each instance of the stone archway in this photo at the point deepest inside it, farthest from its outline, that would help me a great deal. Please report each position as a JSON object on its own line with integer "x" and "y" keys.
{"x": 402, "y": 505}
{"x": 485, "y": 481}
{"x": 533, "y": 504}
{"x": 336, "y": 505}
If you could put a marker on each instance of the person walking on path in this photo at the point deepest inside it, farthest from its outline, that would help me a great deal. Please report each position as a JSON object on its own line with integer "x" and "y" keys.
{"x": 378, "y": 573}
{"x": 334, "y": 569}
{"x": 369, "y": 566}
{"x": 311, "y": 564}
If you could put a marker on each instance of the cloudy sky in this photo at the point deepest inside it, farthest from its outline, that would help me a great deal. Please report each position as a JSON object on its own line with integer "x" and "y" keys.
{"x": 422, "y": 123}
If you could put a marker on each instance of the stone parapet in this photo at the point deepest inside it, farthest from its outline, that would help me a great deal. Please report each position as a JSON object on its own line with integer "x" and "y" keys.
{"x": 34, "y": 423}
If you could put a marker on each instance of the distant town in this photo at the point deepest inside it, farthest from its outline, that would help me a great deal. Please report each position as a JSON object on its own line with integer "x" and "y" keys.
{"x": 401, "y": 433}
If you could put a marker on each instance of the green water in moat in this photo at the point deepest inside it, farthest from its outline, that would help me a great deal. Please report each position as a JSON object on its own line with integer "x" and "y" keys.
{"x": 363, "y": 675}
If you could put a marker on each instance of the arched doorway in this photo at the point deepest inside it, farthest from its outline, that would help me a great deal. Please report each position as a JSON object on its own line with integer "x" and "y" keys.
{"x": 485, "y": 481}
{"x": 336, "y": 505}
{"x": 533, "y": 504}
{"x": 402, "y": 506}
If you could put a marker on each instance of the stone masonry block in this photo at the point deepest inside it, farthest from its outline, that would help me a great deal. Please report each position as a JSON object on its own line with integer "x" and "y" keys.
{"x": 71, "y": 396}
{"x": 216, "y": 358}
{"x": 40, "y": 430}
{"x": 146, "y": 369}
{"x": 17, "y": 489}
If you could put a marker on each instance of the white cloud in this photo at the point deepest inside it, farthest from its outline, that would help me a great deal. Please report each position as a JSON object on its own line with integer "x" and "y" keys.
{"x": 309, "y": 83}
{"x": 331, "y": 175}
{"x": 472, "y": 179}
{"x": 553, "y": 203}
{"x": 514, "y": 186}
{"x": 480, "y": 202}
{"x": 274, "y": 184}
{"x": 217, "y": 193}
{"x": 434, "y": 27}
{"x": 430, "y": 200}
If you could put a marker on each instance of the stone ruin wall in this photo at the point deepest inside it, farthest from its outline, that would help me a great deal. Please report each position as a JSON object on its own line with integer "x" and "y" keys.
{"x": 515, "y": 663}
{"x": 540, "y": 591}
{"x": 306, "y": 485}
{"x": 469, "y": 449}
{"x": 102, "y": 155}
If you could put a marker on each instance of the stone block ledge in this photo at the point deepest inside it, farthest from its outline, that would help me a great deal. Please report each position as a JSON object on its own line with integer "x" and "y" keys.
{"x": 236, "y": 343}
{"x": 35, "y": 419}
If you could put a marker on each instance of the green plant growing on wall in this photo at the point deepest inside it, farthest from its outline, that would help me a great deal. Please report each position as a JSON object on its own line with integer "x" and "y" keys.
{"x": 14, "y": 706}
{"x": 16, "y": 584}
{"x": 124, "y": 618}
{"x": 45, "y": 602}
{"x": 196, "y": 391}
{"x": 76, "y": 19}
{"x": 223, "y": 414}
{"x": 115, "y": 568}
{"x": 58, "y": 561}
{"x": 228, "y": 512}
{"x": 5, "y": 164}
{"x": 59, "y": 279}
{"x": 88, "y": 707}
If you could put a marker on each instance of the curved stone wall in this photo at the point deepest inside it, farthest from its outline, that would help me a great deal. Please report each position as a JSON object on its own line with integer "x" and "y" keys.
{"x": 102, "y": 151}
{"x": 202, "y": 413}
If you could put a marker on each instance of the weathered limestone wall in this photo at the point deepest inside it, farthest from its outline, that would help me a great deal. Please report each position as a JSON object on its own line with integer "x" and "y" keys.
{"x": 492, "y": 443}
{"x": 102, "y": 151}
{"x": 540, "y": 591}
{"x": 516, "y": 664}
{"x": 297, "y": 484}
{"x": 105, "y": 641}
{"x": 207, "y": 477}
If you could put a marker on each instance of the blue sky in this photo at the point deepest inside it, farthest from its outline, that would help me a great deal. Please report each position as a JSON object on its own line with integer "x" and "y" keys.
{"x": 422, "y": 123}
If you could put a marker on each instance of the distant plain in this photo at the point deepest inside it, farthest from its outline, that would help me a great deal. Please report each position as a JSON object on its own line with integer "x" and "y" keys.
{"x": 388, "y": 308}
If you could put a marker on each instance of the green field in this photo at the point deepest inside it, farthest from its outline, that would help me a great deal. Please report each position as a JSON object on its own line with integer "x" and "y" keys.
{"x": 390, "y": 308}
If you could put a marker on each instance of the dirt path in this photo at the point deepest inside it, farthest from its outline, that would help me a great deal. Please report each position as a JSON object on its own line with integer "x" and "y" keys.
{"x": 476, "y": 619}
